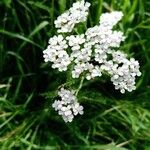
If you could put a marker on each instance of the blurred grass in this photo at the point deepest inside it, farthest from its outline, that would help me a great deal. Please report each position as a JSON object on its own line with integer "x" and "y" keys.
{"x": 111, "y": 121}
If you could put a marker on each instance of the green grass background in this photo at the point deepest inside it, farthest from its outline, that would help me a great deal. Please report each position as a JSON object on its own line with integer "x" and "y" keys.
{"x": 111, "y": 121}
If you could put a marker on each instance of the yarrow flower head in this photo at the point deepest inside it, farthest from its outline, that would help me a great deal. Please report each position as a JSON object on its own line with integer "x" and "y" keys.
{"x": 93, "y": 53}
{"x": 76, "y": 14}
{"x": 67, "y": 105}
{"x": 56, "y": 53}
{"x": 110, "y": 19}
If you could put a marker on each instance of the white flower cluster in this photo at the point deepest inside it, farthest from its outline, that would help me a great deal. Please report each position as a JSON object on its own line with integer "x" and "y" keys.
{"x": 122, "y": 71}
{"x": 92, "y": 53}
{"x": 76, "y": 14}
{"x": 56, "y": 53}
{"x": 67, "y": 106}
{"x": 110, "y": 19}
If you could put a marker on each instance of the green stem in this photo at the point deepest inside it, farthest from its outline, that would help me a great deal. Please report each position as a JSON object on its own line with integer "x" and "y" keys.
{"x": 80, "y": 85}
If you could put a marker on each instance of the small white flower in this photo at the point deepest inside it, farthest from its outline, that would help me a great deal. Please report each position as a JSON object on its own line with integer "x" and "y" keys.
{"x": 77, "y": 109}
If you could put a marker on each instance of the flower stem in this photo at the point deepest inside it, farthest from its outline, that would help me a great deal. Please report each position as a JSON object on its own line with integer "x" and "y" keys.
{"x": 80, "y": 85}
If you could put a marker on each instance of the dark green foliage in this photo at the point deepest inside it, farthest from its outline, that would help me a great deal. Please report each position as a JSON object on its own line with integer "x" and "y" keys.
{"x": 28, "y": 86}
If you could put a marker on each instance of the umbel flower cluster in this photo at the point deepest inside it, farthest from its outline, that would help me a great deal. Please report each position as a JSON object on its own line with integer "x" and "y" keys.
{"x": 67, "y": 105}
{"x": 76, "y": 14}
{"x": 93, "y": 53}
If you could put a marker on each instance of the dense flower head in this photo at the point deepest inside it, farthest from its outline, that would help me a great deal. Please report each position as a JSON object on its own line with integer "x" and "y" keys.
{"x": 56, "y": 53}
{"x": 110, "y": 19}
{"x": 67, "y": 105}
{"x": 76, "y": 14}
{"x": 94, "y": 52}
